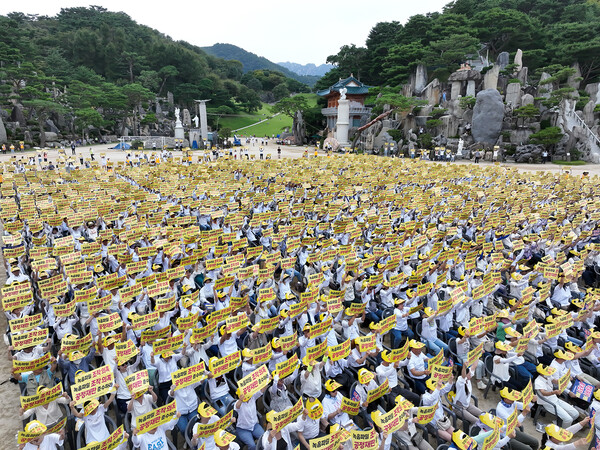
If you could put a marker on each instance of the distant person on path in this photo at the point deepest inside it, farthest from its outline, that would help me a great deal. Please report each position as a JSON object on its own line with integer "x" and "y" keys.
{"x": 12, "y": 148}
{"x": 72, "y": 148}
{"x": 4, "y": 149}
{"x": 278, "y": 152}
{"x": 544, "y": 156}
{"x": 477, "y": 156}
{"x": 92, "y": 153}
{"x": 261, "y": 152}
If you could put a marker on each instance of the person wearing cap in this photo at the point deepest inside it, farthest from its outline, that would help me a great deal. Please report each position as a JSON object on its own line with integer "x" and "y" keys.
{"x": 548, "y": 396}
{"x": 218, "y": 390}
{"x": 308, "y": 423}
{"x": 561, "y": 293}
{"x": 433, "y": 396}
{"x": 462, "y": 441}
{"x": 462, "y": 400}
{"x": 206, "y": 415}
{"x": 50, "y": 413}
{"x": 310, "y": 377}
{"x": 273, "y": 439}
{"x": 332, "y": 403}
{"x": 75, "y": 362}
{"x": 16, "y": 275}
{"x": 351, "y": 324}
{"x": 225, "y": 440}
{"x": 401, "y": 329}
{"x": 502, "y": 364}
{"x": 247, "y": 426}
{"x": 487, "y": 424}
{"x": 228, "y": 341}
{"x": 506, "y": 406}
{"x": 417, "y": 365}
{"x": 187, "y": 404}
{"x": 93, "y": 417}
{"x": 429, "y": 332}
{"x": 556, "y": 437}
{"x": 155, "y": 438}
{"x": 166, "y": 364}
{"x": 141, "y": 403}
{"x": 366, "y": 383}
{"x": 280, "y": 399}
{"x": 43, "y": 441}
{"x": 574, "y": 366}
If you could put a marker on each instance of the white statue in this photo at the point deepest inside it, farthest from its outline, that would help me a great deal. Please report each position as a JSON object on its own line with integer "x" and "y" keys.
{"x": 196, "y": 120}
{"x": 176, "y": 113}
{"x": 343, "y": 93}
{"x": 461, "y": 144}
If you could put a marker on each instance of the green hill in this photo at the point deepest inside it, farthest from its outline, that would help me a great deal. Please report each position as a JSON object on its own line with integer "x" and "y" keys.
{"x": 252, "y": 62}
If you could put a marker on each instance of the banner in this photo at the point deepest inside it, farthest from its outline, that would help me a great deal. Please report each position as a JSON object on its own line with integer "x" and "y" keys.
{"x": 350, "y": 407}
{"x": 188, "y": 375}
{"x": 28, "y": 366}
{"x": 329, "y": 442}
{"x": 391, "y": 421}
{"x": 564, "y": 381}
{"x": 364, "y": 440}
{"x": 366, "y": 343}
{"x": 156, "y": 417}
{"x": 138, "y": 381}
{"x": 25, "y": 323}
{"x": 24, "y": 436}
{"x": 287, "y": 367}
{"x": 253, "y": 382}
{"x": 153, "y": 335}
{"x": 205, "y": 430}
{"x": 287, "y": 416}
{"x": 114, "y": 440}
{"x": 262, "y": 354}
{"x": 98, "y": 304}
{"x": 146, "y": 321}
{"x": 315, "y": 352}
{"x": 320, "y": 328}
{"x": 82, "y": 344}
{"x": 339, "y": 351}
{"x": 167, "y": 345}
{"x": 126, "y": 350}
{"x": 185, "y": 323}
{"x": 92, "y": 384}
{"x": 474, "y": 355}
{"x": 109, "y": 322}
{"x": 512, "y": 422}
{"x": 527, "y": 394}
{"x": 220, "y": 366}
{"x": 379, "y": 391}
{"x": 29, "y": 339}
{"x": 33, "y": 401}
{"x": 64, "y": 310}
{"x": 426, "y": 413}
{"x": 582, "y": 390}
{"x": 288, "y": 342}
{"x": 443, "y": 373}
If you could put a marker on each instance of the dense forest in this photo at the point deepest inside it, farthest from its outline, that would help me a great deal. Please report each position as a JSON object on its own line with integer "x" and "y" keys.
{"x": 95, "y": 68}
{"x": 550, "y": 33}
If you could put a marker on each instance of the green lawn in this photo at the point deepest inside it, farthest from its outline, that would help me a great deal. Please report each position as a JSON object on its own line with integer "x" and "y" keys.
{"x": 273, "y": 126}
{"x": 570, "y": 163}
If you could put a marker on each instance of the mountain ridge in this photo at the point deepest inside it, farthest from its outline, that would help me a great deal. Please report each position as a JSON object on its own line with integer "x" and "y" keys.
{"x": 307, "y": 69}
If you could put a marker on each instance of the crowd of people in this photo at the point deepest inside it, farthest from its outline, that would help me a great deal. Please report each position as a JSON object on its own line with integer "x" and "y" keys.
{"x": 333, "y": 302}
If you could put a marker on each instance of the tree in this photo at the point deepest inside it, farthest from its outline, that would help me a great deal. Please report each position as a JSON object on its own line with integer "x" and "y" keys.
{"x": 280, "y": 91}
{"x": 42, "y": 109}
{"x": 527, "y": 112}
{"x": 548, "y": 137}
{"x": 87, "y": 117}
{"x": 165, "y": 73}
{"x": 293, "y": 107}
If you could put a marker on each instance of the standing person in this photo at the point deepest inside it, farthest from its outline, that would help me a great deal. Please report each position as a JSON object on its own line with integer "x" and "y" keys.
{"x": 4, "y": 149}
{"x": 544, "y": 156}
{"x": 92, "y": 153}
{"x": 278, "y": 152}
{"x": 72, "y": 147}
{"x": 12, "y": 148}
{"x": 261, "y": 152}
{"x": 477, "y": 156}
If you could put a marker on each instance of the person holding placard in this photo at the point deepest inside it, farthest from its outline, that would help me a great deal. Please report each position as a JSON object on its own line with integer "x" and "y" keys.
{"x": 417, "y": 366}
{"x": 43, "y": 441}
{"x": 464, "y": 390}
{"x": 548, "y": 396}
{"x": 93, "y": 417}
{"x": 141, "y": 403}
{"x": 206, "y": 415}
{"x": 507, "y": 405}
{"x": 156, "y": 438}
{"x": 165, "y": 364}
{"x": 50, "y": 413}
{"x": 556, "y": 437}
{"x": 247, "y": 427}
{"x": 307, "y": 424}
{"x": 441, "y": 423}
{"x": 332, "y": 403}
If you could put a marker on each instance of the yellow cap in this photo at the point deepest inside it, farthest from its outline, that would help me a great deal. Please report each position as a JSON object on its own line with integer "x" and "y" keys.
{"x": 510, "y": 394}
{"x": 332, "y": 385}
{"x": 463, "y": 441}
{"x": 315, "y": 409}
{"x": 223, "y": 438}
{"x": 431, "y": 384}
{"x": 558, "y": 433}
{"x": 91, "y": 406}
{"x": 365, "y": 376}
{"x": 35, "y": 426}
{"x": 545, "y": 370}
{"x": 206, "y": 411}
{"x": 563, "y": 355}
{"x": 416, "y": 344}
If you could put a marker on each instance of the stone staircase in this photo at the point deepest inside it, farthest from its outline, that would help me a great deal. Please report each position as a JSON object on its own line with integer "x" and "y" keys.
{"x": 571, "y": 123}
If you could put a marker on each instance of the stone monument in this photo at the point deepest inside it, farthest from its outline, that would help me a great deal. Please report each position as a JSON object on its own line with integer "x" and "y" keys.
{"x": 179, "y": 133}
{"x": 343, "y": 118}
{"x": 203, "y": 120}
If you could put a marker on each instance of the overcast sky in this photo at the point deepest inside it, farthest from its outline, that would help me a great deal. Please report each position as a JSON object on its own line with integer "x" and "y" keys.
{"x": 299, "y": 31}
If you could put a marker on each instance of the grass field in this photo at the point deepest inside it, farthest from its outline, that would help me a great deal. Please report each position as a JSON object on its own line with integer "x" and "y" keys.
{"x": 569, "y": 163}
{"x": 272, "y": 126}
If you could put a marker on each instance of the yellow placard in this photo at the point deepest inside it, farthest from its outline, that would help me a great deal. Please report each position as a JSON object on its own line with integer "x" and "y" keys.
{"x": 153, "y": 419}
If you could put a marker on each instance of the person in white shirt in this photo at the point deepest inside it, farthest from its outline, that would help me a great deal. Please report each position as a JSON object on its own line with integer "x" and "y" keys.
{"x": 50, "y": 413}
{"x": 206, "y": 415}
{"x": 502, "y": 364}
{"x": 156, "y": 438}
{"x": 247, "y": 427}
{"x": 166, "y": 364}
{"x": 187, "y": 404}
{"x": 417, "y": 366}
{"x": 504, "y": 409}
{"x": 225, "y": 440}
{"x": 140, "y": 404}
{"x": 307, "y": 425}
{"x": 332, "y": 402}
{"x": 44, "y": 441}
{"x": 464, "y": 391}
{"x": 93, "y": 418}
{"x": 556, "y": 437}
{"x": 433, "y": 396}
{"x": 310, "y": 377}
{"x": 548, "y": 396}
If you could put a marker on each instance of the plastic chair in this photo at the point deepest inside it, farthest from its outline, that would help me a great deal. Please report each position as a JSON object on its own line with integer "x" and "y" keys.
{"x": 110, "y": 424}
{"x": 541, "y": 408}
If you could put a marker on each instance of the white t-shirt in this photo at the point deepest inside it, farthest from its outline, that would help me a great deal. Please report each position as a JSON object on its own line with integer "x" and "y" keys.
{"x": 95, "y": 427}
{"x": 50, "y": 442}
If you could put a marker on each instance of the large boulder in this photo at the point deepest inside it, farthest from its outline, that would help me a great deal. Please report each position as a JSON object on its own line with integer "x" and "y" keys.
{"x": 51, "y": 127}
{"x": 513, "y": 94}
{"x": 488, "y": 115}
{"x": 51, "y": 136}
{"x": 503, "y": 60}
{"x": 529, "y": 153}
